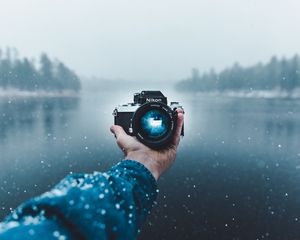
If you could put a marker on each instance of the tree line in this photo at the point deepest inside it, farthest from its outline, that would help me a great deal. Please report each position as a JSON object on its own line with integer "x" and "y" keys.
{"x": 280, "y": 74}
{"x": 28, "y": 74}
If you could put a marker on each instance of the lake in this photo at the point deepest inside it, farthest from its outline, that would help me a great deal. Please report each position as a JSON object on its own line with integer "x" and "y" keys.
{"x": 237, "y": 173}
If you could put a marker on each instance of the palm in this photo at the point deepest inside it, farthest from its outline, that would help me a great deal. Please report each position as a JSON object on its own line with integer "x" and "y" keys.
{"x": 157, "y": 161}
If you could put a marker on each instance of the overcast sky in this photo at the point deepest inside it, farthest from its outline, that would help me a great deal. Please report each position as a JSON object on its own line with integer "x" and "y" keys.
{"x": 151, "y": 39}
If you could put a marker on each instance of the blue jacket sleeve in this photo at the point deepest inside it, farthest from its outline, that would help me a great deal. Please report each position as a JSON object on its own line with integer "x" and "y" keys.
{"x": 111, "y": 205}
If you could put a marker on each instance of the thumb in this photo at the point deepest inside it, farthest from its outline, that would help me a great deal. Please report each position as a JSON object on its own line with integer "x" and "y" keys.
{"x": 119, "y": 133}
{"x": 117, "y": 130}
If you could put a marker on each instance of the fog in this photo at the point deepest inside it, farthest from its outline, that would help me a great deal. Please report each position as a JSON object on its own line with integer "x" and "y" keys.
{"x": 238, "y": 163}
{"x": 151, "y": 40}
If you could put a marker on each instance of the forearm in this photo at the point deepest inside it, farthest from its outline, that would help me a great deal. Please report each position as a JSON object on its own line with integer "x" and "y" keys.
{"x": 32, "y": 229}
{"x": 92, "y": 206}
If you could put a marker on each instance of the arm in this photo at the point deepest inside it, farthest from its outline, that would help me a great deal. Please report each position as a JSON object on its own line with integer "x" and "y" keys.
{"x": 111, "y": 205}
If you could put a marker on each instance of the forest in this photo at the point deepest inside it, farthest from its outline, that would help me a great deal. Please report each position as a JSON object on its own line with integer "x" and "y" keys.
{"x": 277, "y": 74}
{"x": 31, "y": 75}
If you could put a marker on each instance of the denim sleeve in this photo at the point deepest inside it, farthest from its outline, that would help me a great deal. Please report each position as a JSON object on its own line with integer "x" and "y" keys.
{"x": 110, "y": 205}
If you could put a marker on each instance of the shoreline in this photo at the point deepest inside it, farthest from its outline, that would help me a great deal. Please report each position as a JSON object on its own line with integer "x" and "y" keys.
{"x": 263, "y": 94}
{"x": 14, "y": 93}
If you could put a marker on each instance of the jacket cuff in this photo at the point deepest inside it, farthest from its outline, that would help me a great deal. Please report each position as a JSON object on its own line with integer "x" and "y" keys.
{"x": 141, "y": 178}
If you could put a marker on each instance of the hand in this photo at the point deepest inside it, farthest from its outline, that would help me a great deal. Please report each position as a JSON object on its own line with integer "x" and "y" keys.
{"x": 156, "y": 161}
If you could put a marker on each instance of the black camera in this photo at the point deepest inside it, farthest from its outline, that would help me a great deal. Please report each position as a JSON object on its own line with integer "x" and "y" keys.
{"x": 149, "y": 118}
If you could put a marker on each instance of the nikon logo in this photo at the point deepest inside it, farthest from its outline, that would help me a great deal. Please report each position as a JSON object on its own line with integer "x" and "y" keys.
{"x": 153, "y": 100}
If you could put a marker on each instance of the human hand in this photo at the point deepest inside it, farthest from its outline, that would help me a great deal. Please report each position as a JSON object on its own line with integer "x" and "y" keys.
{"x": 156, "y": 161}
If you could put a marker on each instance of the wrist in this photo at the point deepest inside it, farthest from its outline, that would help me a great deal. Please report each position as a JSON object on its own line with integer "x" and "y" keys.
{"x": 146, "y": 160}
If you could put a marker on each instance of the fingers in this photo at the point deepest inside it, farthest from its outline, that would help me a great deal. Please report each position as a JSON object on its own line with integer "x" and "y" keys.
{"x": 180, "y": 120}
{"x": 180, "y": 110}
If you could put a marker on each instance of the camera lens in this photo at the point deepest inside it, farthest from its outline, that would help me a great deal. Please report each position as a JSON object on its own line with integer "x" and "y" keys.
{"x": 154, "y": 124}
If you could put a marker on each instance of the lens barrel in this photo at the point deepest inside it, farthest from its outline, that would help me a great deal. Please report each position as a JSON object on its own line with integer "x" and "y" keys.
{"x": 154, "y": 124}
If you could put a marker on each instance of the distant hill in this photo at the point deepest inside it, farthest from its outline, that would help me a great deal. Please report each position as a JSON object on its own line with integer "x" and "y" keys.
{"x": 46, "y": 74}
{"x": 278, "y": 74}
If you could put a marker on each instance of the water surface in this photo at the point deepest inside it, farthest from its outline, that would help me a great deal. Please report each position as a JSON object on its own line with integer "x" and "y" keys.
{"x": 236, "y": 176}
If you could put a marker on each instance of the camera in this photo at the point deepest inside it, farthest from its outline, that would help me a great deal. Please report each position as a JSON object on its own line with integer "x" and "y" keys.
{"x": 149, "y": 118}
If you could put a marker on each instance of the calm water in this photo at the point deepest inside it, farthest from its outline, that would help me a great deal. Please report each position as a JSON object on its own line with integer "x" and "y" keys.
{"x": 237, "y": 175}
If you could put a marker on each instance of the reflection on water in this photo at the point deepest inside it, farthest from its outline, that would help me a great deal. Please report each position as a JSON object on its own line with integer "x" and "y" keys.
{"x": 23, "y": 114}
{"x": 236, "y": 176}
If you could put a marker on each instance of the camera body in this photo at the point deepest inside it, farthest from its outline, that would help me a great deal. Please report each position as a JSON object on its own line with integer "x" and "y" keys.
{"x": 131, "y": 117}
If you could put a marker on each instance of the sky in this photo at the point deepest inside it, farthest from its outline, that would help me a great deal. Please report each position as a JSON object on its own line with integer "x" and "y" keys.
{"x": 154, "y": 40}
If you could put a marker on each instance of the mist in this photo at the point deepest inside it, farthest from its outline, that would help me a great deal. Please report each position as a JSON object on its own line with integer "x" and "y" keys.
{"x": 153, "y": 40}
{"x": 69, "y": 70}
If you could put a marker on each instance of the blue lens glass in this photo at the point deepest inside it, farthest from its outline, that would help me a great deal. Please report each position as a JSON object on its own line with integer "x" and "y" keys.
{"x": 155, "y": 123}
